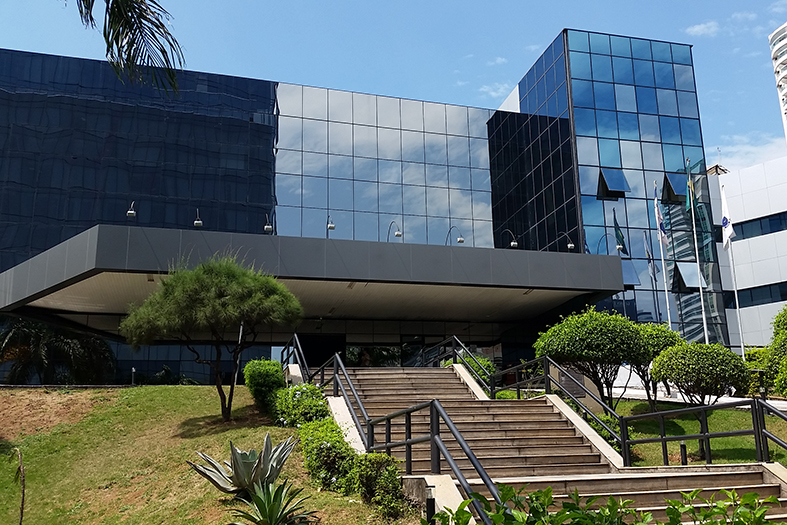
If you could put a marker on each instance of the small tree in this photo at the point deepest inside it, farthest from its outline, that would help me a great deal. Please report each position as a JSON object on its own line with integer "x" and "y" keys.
{"x": 594, "y": 344}
{"x": 220, "y": 301}
{"x": 701, "y": 373}
{"x": 654, "y": 338}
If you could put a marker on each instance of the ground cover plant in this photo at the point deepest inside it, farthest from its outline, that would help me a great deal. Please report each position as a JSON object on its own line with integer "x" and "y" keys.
{"x": 110, "y": 456}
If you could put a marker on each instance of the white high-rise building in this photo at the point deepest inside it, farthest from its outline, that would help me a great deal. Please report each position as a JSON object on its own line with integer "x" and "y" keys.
{"x": 778, "y": 43}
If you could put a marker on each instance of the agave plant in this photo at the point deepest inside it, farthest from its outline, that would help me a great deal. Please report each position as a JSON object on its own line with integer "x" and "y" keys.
{"x": 275, "y": 505}
{"x": 246, "y": 469}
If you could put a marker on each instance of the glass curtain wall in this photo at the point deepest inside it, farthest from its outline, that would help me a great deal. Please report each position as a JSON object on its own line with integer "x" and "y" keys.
{"x": 637, "y": 128}
{"x": 374, "y": 165}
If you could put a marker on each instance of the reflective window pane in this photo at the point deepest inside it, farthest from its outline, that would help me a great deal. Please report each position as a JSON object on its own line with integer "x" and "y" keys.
{"x": 602, "y": 68}
{"x": 340, "y": 194}
{"x": 390, "y": 171}
{"x": 315, "y": 103}
{"x": 607, "y": 124}
{"x": 366, "y": 227}
{"x": 640, "y": 48}
{"x": 643, "y": 73}
{"x": 456, "y": 120}
{"x": 580, "y": 65}
{"x": 340, "y": 167}
{"x": 690, "y": 130}
{"x": 582, "y": 93}
{"x": 670, "y": 130}
{"x": 435, "y": 149}
{"x": 599, "y": 43}
{"x": 390, "y": 198}
{"x": 364, "y": 109}
{"x": 621, "y": 46}
{"x": 585, "y": 121}
{"x": 459, "y": 177}
{"x": 578, "y": 41}
{"x": 649, "y": 128}
{"x": 623, "y": 69}
{"x": 414, "y": 200}
{"x": 413, "y": 173}
{"x": 482, "y": 205}
{"x": 436, "y": 175}
{"x": 687, "y": 104}
{"x": 609, "y": 153}
{"x": 365, "y": 196}
{"x": 315, "y": 136}
{"x": 412, "y": 115}
{"x": 315, "y": 192}
{"x": 646, "y": 100}
{"x": 290, "y": 99}
{"x": 365, "y": 169}
{"x": 389, "y": 143}
{"x": 651, "y": 156}
{"x": 437, "y": 202}
{"x": 628, "y": 126}
{"x": 340, "y": 138}
{"x": 434, "y": 117}
{"x": 414, "y": 229}
{"x": 315, "y": 164}
{"x": 684, "y": 77}
{"x": 412, "y": 146}
{"x": 625, "y": 98}
{"x": 290, "y": 133}
{"x": 365, "y": 141}
{"x": 664, "y": 76}
{"x": 587, "y": 150}
{"x": 630, "y": 154}
{"x": 340, "y": 106}
{"x": 661, "y": 51}
{"x": 388, "y": 112}
{"x": 604, "y": 94}
{"x": 668, "y": 104}
{"x": 458, "y": 151}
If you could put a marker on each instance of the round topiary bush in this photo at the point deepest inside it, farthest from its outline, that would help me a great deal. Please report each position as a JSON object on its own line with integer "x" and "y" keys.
{"x": 263, "y": 377}
{"x": 702, "y": 373}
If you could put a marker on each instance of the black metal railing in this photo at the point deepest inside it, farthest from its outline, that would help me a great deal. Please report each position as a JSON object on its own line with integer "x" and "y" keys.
{"x": 451, "y": 349}
{"x": 437, "y": 415}
{"x": 293, "y": 353}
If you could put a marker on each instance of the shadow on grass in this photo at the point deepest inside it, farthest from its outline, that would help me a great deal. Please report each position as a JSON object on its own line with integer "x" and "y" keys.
{"x": 6, "y": 447}
{"x": 245, "y": 417}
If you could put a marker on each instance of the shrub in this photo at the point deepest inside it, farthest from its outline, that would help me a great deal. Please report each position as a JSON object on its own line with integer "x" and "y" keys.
{"x": 328, "y": 457}
{"x": 702, "y": 373}
{"x": 757, "y": 359}
{"x": 263, "y": 377}
{"x": 299, "y": 404}
{"x": 375, "y": 477}
{"x": 484, "y": 368}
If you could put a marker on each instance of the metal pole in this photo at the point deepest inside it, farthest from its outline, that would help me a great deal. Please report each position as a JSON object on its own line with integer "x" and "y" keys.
{"x": 335, "y": 376}
{"x": 434, "y": 424}
{"x": 408, "y": 449}
{"x": 663, "y": 265}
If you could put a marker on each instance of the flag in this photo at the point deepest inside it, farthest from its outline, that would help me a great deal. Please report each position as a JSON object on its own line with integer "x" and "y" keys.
{"x": 621, "y": 240}
{"x": 727, "y": 230}
{"x": 652, "y": 268}
{"x": 689, "y": 190}
{"x": 662, "y": 231}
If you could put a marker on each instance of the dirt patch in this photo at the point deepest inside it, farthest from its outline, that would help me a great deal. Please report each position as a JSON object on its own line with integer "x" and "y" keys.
{"x": 28, "y": 411}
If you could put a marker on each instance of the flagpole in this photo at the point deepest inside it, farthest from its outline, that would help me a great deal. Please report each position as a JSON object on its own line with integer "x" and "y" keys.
{"x": 690, "y": 196}
{"x": 661, "y": 251}
{"x": 734, "y": 281}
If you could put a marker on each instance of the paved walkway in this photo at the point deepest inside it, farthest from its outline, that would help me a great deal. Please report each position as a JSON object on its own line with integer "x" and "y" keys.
{"x": 635, "y": 391}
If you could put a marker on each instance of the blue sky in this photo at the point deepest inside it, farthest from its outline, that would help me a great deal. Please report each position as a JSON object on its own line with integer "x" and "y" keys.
{"x": 461, "y": 52}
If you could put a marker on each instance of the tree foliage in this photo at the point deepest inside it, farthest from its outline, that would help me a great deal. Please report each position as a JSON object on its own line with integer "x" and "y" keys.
{"x": 54, "y": 355}
{"x": 702, "y": 373}
{"x": 654, "y": 338}
{"x": 219, "y": 301}
{"x": 139, "y": 44}
{"x": 594, "y": 344}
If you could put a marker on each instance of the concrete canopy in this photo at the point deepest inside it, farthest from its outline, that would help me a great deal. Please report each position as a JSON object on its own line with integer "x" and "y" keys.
{"x": 89, "y": 280}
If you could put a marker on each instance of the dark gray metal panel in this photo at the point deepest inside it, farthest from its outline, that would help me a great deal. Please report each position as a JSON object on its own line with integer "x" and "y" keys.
{"x": 429, "y": 264}
{"x": 346, "y": 260}
{"x": 471, "y": 266}
{"x": 510, "y": 266}
{"x": 114, "y": 246}
{"x": 153, "y": 250}
{"x": 300, "y": 257}
{"x": 389, "y": 261}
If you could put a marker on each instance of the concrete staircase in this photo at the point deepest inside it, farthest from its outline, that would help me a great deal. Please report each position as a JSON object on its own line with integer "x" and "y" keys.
{"x": 538, "y": 443}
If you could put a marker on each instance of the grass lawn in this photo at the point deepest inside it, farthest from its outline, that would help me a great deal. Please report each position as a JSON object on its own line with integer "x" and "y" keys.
{"x": 723, "y": 450}
{"x": 119, "y": 456}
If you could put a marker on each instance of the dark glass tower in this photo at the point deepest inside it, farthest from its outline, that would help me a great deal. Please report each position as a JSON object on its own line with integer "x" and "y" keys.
{"x": 604, "y": 123}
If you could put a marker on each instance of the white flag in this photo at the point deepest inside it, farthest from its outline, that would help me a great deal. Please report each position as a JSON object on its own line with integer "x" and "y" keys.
{"x": 726, "y": 223}
{"x": 659, "y": 219}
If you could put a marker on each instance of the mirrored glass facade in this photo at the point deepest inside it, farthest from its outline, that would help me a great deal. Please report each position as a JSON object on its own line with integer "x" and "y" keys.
{"x": 606, "y": 124}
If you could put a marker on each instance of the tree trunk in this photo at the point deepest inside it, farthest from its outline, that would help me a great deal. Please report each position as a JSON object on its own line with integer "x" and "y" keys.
{"x": 225, "y": 413}
{"x": 233, "y": 380}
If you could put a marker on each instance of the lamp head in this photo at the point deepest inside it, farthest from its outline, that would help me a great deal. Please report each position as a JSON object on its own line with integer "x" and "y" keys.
{"x": 460, "y": 240}
{"x": 570, "y": 245}
{"x": 331, "y": 225}
{"x": 618, "y": 247}
{"x": 514, "y": 244}
{"x": 198, "y": 222}
{"x": 398, "y": 233}
{"x": 131, "y": 211}
{"x": 268, "y": 228}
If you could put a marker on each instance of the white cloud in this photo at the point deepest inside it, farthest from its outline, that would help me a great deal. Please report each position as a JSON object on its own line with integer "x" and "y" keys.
{"x": 496, "y": 90}
{"x": 706, "y": 29}
{"x": 744, "y": 16}
{"x": 533, "y": 47}
{"x": 497, "y": 61}
{"x": 461, "y": 83}
{"x": 467, "y": 57}
{"x": 778, "y": 7}
{"x": 743, "y": 151}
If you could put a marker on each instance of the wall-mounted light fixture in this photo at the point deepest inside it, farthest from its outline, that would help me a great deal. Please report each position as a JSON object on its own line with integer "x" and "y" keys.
{"x": 131, "y": 211}
{"x": 513, "y": 243}
{"x": 198, "y": 221}
{"x": 397, "y": 233}
{"x": 459, "y": 240}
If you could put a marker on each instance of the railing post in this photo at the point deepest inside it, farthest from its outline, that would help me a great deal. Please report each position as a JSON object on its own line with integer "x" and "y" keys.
{"x": 369, "y": 436}
{"x": 624, "y": 441}
{"x": 492, "y": 382}
{"x": 755, "y": 425}
{"x": 664, "y": 455}
{"x": 547, "y": 382}
{"x": 335, "y": 376}
{"x": 387, "y": 436}
{"x": 434, "y": 431}
{"x": 453, "y": 349}
{"x": 766, "y": 453}
{"x": 518, "y": 379}
{"x": 408, "y": 450}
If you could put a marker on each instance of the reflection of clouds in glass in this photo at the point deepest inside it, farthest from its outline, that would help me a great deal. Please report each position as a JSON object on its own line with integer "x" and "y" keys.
{"x": 288, "y": 189}
{"x": 390, "y": 198}
{"x": 482, "y": 231}
{"x": 434, "y": 117}
{"x": 290, "y": 99}
{"x": 290, "y": 133}
{"x": 482, "y": 205}
{"x": 341, "y": 138}
{"x": 461, "y": 204}
{"x": 412, "y": 115}
{"x": 389, "y": 144}
{"x": 340, "y": 106}
{"x": 364, "y": 109}
{"x": 479, "y": 153}
{"x": 315, "y": 103}
{"x": 365, "y": 140}
{"x": 315, "y": 136}
{"x": 412, "y": 146}
{"x": 437, "y": 202}
{"x": 388, "y": 112}
{"x": 288, "y": 161}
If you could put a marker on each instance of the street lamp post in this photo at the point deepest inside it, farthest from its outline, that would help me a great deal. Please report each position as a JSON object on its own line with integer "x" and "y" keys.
{"x": 459, "y": 240}
{"x": 397, "y": 233}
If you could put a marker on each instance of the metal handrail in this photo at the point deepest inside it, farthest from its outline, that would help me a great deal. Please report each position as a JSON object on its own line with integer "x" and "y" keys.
{"x": 454, "y": 354}
{"x": 296, "y": 354}
{"x": 438, "y": 448}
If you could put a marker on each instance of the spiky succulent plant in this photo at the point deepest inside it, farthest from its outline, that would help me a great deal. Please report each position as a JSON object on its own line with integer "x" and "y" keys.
{"x": 245, "y": 469}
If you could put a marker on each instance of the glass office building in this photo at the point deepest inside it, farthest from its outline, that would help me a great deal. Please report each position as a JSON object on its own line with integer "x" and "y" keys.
{"x": 574, "y": 151}
{"x": 604, "y": 123}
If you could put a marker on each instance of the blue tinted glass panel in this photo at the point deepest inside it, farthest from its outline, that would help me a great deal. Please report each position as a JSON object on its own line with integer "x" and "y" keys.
{"x": 340, "y": 167}
{"x": 458, "y": 151}
{"x": 607, "y": 124}
{"x": 615, "y": 179}
{"x": 670, "y": 130}
{"x": 480, "y": 180}
{"x": 687, "y": 104}
{"x": 366, "y": 227}
{"x": 459, "y": 177}
{"x": 664, "y": 76}
{"x": 288, "y": 190}
{"x": 585, "y": 122}
{"x": 436, "y": 175}
{"x": 646, "y": 100}
{"x": 390, "y": 171}
{"x": 690, "y": 129}
{"x": 436, "y": 149}
{"x": 661, "y": 51}
{"x": 340, "y": 196}
{"x": 649, "y": 128}
{"x": 482, "y": 205}
{"x": 288, "y": 221}
{"x": 414, "y": 229}
{"x": 314, "y": 222}
{"x": 602, "y": 68}
{"x": 681, "y": 54}
{"x": 561, "y": 97}
{"x": 625, "y": 98}
{"x": 557, "y": 45}
{"x": 592, "y": 210}
{"x": 643, "y": 73}
{"x": 673, "y": 158}
{"x": 582, "y": 91}
{"x": 365, "y": 169}
{"x": 623, "y": 69}
{"x": 609, "y": 153}
{"x": 684, "y": 77}
{"x": 580, "y": 65}
{"x": 587, "y": 150}
{"x": 315, "y": 192}
{"x": 652, "y": 158}
{"x": 437, "y": 202}
{"x": 550, "y": 80}
{"x": 599, "y": 43}
{"x": 588, "y": 179}
{"x": 621, "y": 46}
{"x": 390, "y": 198}
{"x": 668, "y": 104}
{"x": 604, "y": 95}
{"x": 640, "y": 48}
{"x": 630, "y": 154}
{"x": 412, "y": 146}
{"x": 315, "y": 164}
{"x": 414, "y": 200}
{"x": 628, "y": 127}
{"x": 365, "y": 197}
{"x": 578, "y": 41}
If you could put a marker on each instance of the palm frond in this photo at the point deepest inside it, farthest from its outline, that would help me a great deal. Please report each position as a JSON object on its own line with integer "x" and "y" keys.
{"x": 139, "y": 44}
